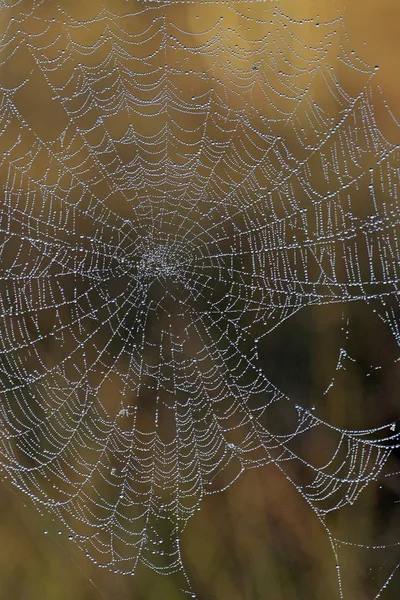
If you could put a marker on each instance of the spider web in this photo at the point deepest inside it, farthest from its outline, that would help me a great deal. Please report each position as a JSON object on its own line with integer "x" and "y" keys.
{"x": 175, "y": 189}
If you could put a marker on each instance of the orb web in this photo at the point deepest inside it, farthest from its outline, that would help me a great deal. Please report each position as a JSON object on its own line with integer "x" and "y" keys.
{"x": 177, "y": 184}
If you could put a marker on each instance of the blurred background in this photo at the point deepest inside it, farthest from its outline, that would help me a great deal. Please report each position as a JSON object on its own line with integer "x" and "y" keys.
{"x": 259, "y": 540}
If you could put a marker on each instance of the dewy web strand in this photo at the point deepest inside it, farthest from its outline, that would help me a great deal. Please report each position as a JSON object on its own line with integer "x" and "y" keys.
{"x": 176, "y": 185}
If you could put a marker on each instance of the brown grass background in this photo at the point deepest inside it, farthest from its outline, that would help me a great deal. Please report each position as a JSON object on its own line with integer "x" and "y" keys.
{"x": 258, "y": 540}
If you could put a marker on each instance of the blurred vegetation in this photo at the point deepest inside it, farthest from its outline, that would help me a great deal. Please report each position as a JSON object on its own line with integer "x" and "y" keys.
{"x": 259, "y": 540}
